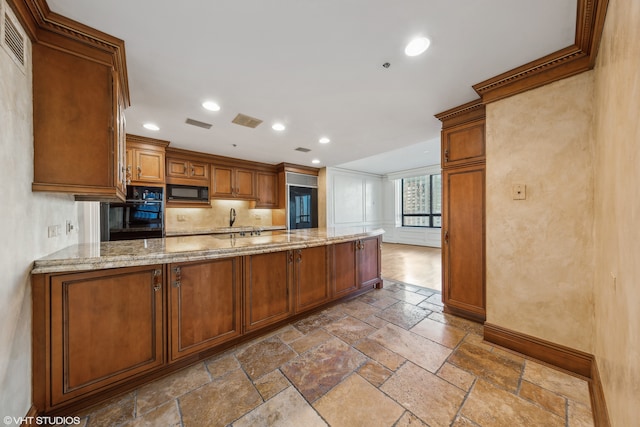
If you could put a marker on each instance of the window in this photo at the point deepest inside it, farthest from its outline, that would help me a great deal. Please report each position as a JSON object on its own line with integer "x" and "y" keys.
{"x": 422, "y": 201}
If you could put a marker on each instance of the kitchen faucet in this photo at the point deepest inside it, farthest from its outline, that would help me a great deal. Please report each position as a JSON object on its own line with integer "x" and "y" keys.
{"x": 232, "y": 217}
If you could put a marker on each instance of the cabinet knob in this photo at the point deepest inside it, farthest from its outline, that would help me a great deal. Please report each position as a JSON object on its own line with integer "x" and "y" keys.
{"x": 139, "y": 171}
{"x": 446, "y": 237}
{"x": 177, "y": 284}
{"x": 446, "y": 155}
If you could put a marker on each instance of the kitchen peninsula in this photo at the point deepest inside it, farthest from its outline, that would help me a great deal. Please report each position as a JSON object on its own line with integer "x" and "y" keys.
{"x": 108, "y": 317}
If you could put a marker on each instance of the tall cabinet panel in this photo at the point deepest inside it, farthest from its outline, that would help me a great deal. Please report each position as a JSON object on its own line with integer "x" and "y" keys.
{"x": 463, "y": 211}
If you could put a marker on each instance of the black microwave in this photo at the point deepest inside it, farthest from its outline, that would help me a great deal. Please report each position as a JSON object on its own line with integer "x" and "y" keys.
{"x": 187, "y": 193}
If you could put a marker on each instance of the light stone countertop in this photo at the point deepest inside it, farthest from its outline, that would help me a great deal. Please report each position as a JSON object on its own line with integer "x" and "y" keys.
{"x": 128, "y": 253}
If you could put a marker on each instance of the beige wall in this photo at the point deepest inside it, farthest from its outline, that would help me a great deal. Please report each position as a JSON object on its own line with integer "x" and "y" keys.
{"x": 23, "y": 227}
{"x": 617, "y": 211}
{"x": 540, "y": 250}
{"x": 216, "y": 216}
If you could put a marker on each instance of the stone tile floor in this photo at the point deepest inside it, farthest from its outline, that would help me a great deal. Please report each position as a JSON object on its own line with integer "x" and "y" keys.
{"x": 387, "y": 358}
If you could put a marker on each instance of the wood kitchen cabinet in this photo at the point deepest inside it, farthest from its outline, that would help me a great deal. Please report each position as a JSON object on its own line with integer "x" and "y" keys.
{"x": 97, "y": 328}
{"x": 310, "y": 277}
{"x": 145, "y": 160}
{"x": 187, "y": 171}
{"x": 356, "y": 266}
{"x": 268, "y": 297}
{"x": 463, "y": 211}
{"x": 463, "y": 249}
{"x": 79, "y": 139}
{"x": 204, "y": 305}
{"x": 266, "y": 190}
{"x": 231, "y": 182}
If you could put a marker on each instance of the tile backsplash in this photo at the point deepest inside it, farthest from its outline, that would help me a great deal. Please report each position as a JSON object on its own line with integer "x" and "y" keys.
{"x": 216, "y": 216}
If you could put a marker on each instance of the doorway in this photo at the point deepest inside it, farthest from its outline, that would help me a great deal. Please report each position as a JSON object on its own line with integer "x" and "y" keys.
{"x": 413, "y": 265}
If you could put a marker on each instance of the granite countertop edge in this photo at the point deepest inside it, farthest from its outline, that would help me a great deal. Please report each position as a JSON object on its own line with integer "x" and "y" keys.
{"x": 72, "y": 259}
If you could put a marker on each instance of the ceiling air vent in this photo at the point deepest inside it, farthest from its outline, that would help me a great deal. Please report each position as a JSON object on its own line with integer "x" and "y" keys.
{"x": 248, "y": 121}
{"x": 13, "y": 38}
{"x": 198, "y": 123}
{"x": 303, "y": 150}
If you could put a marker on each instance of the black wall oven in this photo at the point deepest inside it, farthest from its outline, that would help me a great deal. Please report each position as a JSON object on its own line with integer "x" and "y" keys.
{"x": 141, "y": 216}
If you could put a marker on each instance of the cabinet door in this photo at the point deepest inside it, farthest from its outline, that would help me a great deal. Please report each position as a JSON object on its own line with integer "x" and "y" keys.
{"x": 199, "y": 170}
{"x": 106, "y": 326}
{"x": 311, "y": 278}
{"x": 149, "y": 166}
{"x": 266, "y": 190}
{"x": 267, "y": 295}
{"x": 244, "y": 183}
{"x": 368, "y": 262}
{"x": 78, "y": 137}
{"x": 204, "y": 304}
{"x": 345, "y": 275}
{"x": 463, "y": 249}
{"x": 463, "y": 144}
{"x": 222, "y": 182}
{"x": 177, "y": 168}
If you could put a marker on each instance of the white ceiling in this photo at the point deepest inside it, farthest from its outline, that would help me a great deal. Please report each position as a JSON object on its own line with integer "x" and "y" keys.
{"x": 316, "y": 66}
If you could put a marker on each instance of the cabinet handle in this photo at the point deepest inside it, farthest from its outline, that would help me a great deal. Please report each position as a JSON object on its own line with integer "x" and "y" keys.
{"x": 157, "y": 279}
{"x": 184, "y": 168}
{"x": 299, "y": 255}
{"x": 177, "y": 284}
{"x": 446, "y": 237}
{"x": 176, "y": 270}
{"x": 446, "y": 155}
{"x": 290, "y": 257}
{"x": 139, "y": 171}
{"x": 193, "y": 171}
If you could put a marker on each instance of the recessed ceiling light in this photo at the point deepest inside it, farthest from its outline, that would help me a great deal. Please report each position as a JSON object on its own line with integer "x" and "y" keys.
{"x": 324, "y": 140}
{"x": 315, "y": 161}
{"x": 417, "y": 46}
{"x": 151, "y": 126}
{"x": 211, "y": 106}
{"x": 278, "y": 126}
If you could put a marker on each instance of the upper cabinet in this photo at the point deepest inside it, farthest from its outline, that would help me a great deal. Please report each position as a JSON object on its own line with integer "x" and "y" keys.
{"x": 266, "y": 190}
{"x": 79, "y": 96}
{"x": 233, "y": 183}
{"x": 187, "y": 168}
{"x": 145, "y": 160}
{"x": 463, "y": 144}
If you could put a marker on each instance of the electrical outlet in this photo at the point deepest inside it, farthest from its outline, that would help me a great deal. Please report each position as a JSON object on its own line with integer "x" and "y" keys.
{"x": 518, "y": 191}
{"x": 257, "y": 217}
{"x": 54, "y": 230}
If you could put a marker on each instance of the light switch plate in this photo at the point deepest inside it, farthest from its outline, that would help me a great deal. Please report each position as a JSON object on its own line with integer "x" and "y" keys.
{"x": 518, "y": 191}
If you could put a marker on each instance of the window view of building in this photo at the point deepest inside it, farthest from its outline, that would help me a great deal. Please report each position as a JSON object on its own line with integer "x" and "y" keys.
{"x": 422, "y": 201}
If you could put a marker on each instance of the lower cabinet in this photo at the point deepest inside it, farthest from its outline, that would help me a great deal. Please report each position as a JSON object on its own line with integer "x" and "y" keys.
{"x": 267, "y": 289}
{"x": 106, "y": 326}
{"x": 102, "y": 332}
{"x": 204, "y": 305}
{"x": 368, "y": 262}
{"x": 356, "y": 266}
{"x": 311, "y": 278}
{"x": 345, "y": 275}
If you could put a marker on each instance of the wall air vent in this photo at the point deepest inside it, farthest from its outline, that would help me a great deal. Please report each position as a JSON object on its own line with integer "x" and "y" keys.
{"x": 248, "y": 121}
{"x": 198, "y": 123}
{"x": 303, "y": 150}
{"x": 13, "y": 38}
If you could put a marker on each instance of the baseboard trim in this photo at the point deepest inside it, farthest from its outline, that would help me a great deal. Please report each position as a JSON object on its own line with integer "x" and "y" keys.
{"x": 566, "y": 358}
{"x": 557, "y": 355}
{"x": 28, "y": 419}
{"x": 598, "y": 404}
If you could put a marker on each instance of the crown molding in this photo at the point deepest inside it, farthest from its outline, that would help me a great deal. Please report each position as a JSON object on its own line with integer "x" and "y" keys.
{"x": 49, "y": 28}
{"x": 464, "y": 113}
{"x": 572, "y": 60}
